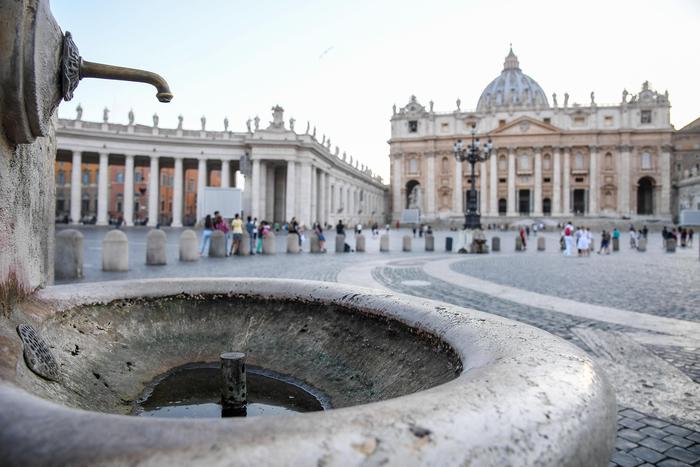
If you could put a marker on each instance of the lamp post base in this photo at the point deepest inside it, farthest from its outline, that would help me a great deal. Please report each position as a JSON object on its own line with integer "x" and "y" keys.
{"x": 472, "y": 221}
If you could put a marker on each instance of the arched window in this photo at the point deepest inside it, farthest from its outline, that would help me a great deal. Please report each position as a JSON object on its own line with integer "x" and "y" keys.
{"x": 608, "y": 161}
{"x": 502, "y": 207}
{"x": 524, "y": 162}
{"x": 578, "y": 161}
{"x": 646, "y": 161}
{"x": 502, "y": 163}
{"x": 547, "y": 162}
{"x": 445, "y": 165}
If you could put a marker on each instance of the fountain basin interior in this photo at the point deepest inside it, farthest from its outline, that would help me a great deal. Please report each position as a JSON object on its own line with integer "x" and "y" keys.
{"x": 410, "y": 381}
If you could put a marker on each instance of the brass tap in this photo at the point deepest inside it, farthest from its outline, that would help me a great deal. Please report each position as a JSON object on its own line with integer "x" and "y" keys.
{"x": 75, "y": 68}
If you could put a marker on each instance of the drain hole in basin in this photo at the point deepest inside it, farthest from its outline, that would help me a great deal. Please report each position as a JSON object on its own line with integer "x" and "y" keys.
{"x": 194, "y": 391}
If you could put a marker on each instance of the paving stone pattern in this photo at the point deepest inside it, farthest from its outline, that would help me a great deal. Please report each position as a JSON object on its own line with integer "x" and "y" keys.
{"x": 642, "y": 439}
{"x": 631, "y": 281}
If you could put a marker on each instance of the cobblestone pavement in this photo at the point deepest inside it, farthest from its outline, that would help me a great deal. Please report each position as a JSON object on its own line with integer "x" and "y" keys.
{"x": 651, "y": 430}
{"x": 634, "y": 283}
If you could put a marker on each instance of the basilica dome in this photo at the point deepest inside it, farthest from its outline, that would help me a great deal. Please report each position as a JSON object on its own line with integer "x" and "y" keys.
{"x": 512, "y": 88}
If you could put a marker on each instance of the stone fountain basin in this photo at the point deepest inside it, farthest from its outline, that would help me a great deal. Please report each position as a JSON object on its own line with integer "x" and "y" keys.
{"x": 413, "y": 381}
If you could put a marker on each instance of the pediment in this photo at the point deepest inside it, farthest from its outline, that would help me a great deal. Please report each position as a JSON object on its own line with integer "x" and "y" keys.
{"x": 525, "y": 126}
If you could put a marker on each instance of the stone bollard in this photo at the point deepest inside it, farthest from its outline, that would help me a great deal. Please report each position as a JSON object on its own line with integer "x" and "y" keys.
{"x": 340, "y": 243}
{"x": 68, "y": 260}
{"x": 642, "y": 244}
{"x": 616, "y": 244}
{"x": 448, "y": 244}
{"x": 540, "y": 244}
{"x": 384, "y": 243}
{"x": 115, "y": 252}
{"x": 293, "y": 243}
{"x": 189, "y": 250}
{"x": 244, "y": 249}
{"x": 518, "y": 243}
{"x": 496, "y": 244}
{"x": 217, "y": 247}
{"x": 406, "y": 246}
{"x": 155, "y": 248}
{"x": 269, "y": 244}
{"x": 314, "y": 243}
{"x": 429, "y": 242}
{"x": 360, "y": 243}
{"x": 670, "y": 245}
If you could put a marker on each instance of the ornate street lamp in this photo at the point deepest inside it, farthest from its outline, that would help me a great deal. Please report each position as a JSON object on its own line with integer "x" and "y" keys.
{"x": 473, "y": 153}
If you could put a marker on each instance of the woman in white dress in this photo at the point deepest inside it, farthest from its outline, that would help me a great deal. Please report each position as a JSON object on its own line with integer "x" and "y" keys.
{"x": 581, "y": 241}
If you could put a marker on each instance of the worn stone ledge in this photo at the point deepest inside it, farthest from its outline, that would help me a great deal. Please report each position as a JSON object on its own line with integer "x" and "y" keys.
{"x": 524, "y": 397}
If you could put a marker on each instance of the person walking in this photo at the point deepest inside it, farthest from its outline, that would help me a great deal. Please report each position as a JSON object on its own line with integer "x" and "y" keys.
{"x": 321, "y": 238}
{"x": 568, "y": 234}
{"x": 690, "y": 237}
{"x": 684, "y": 237}
{"x": 206, "y": 235}
{"x": 633, "y": 237}
{"x": 250, "y": 228}
{"x": 523, "y": 238}
{"x": 237, "y": 230}
{"x": 604, "y": 243}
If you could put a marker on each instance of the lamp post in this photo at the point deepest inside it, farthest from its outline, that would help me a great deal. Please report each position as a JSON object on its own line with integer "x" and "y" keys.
{"x": 473, "y": 153}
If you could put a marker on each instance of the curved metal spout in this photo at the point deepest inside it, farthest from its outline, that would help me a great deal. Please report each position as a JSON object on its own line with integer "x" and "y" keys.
{"x": 99, "y": 70}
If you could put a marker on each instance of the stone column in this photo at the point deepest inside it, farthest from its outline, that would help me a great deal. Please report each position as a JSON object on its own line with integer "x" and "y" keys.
{"x": 255, "y": 190}
{"x": 225, "y": 174}
{"x": 322, "y": 198}
{"x": 556, "y": 183}
{"x": 314, "y": 197}
{"x": 129, "y": 190}
{"x": 566, "y": 190}
{"x": 511, "y": 183}
{"x": 201, "y": 184}
{"x": 76, "y": 188}
{"x": 290, "y": 203}
{"x": 430, "y": 207}
{"x": 493, "y": 185}
{"x": 103, "y": 190}
{"x": 397, "y": 185}
{"x": 262, "y": 192}
{"x": 594, "y": 191}
{"x": 177, "y": 193}
{"x": 483, "y": 189}
{"x": 537, "y": 211}
{"x": 665, "y": 167}
{"x": 624, "y": 184}
{"x": 153, "y": 179}
{"x": 269, "y": 196}
{"x": 458, "y": 194}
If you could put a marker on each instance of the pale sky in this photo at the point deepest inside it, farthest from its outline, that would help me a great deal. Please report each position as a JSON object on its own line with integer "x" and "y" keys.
{"x": 342, "y": 65}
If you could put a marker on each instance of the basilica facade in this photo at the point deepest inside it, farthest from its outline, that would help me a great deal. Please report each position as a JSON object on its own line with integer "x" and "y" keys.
{"x": 551, "y": 157}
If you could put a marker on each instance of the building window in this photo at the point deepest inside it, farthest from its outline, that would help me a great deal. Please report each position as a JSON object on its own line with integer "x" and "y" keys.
{"x": 61, "y": 177}
{"x": 119, "y": 177}
{"x": 578, "y": 179}
{"x": 608, "y": 120}
{"x": 547, "y": 180}
{"x": 501, "y": 180}
{"x": 578, "y": 161}
{"x": 646, "y": 161}
{"x": 413, "y": 166}
{"x": 445, "y": 127}
{"x": 502, "y": 163}
{"x": 579, "y": 121}
{"x": 646, "y": 116}
{"x": 86, "y": 177}
{"x": 412, "y": 126}
{"x": 548, "y": 121}
{"x": 138, "y": 176}
{"x": 547, "y": 162}
{"x": 501, "y": 123}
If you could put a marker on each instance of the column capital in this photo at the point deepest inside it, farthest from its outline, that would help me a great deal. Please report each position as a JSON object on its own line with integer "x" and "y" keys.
{"x": 567, "y": 149}
{"x": 625, "y": 147}
{"x": 593, "y": 148}
{"x": 537, "y": 149}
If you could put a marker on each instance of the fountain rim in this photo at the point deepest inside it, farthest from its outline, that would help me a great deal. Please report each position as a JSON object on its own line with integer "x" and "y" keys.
{"x": 518, "y": 383}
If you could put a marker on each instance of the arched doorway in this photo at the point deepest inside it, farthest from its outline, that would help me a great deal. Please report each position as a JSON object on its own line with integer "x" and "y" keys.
{"x": 413, "y": 195}
{"x": 502, "y": 207}
{"x": 645, "y": 196}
